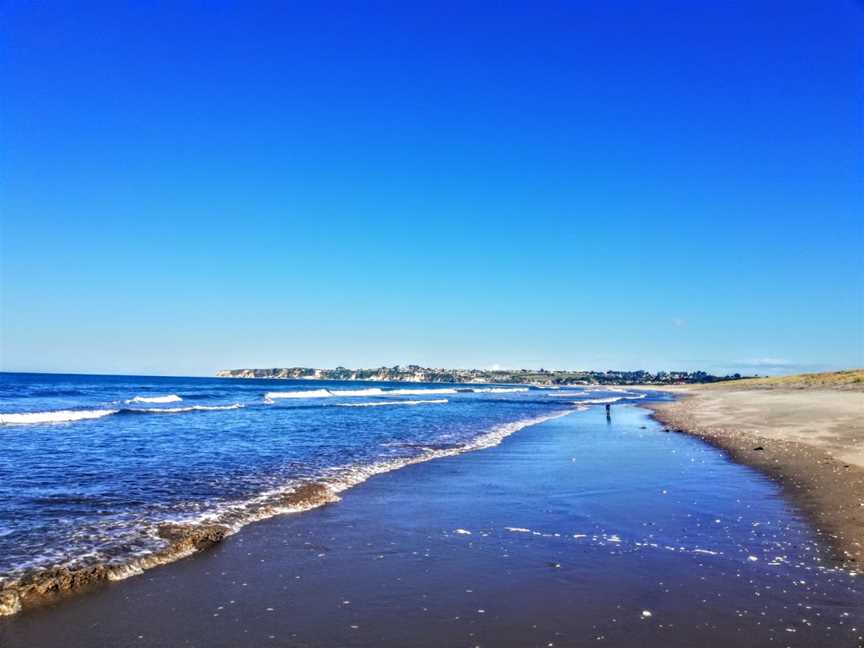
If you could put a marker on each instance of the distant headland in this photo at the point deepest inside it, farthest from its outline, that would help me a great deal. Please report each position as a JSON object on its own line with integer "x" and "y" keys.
{"x": 415, "y": 373}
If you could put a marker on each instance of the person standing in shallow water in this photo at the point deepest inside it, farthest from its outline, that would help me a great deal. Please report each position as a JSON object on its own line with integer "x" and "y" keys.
{"x": 608, "y": 412}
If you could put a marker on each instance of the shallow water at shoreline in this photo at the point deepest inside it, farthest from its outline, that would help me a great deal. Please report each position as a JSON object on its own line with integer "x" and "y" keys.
{"x": 572, "y": 532}
{"x": 93, "y": 467}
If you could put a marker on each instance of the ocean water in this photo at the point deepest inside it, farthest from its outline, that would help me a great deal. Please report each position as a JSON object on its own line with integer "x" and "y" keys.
{"x": 577, "y": 530}
{"x": 92, "y": 466}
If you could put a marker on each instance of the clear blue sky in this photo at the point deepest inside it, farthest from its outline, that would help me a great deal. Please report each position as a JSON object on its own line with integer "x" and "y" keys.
{"x": 627, "y": 184}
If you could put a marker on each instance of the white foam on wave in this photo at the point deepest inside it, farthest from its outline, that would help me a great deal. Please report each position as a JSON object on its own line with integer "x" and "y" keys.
{"x": 345, "y": 477}
{"x": 171, "y": 398}
{"x": 612, "y": 399}
{"x": 236, "y": 515}
{"x": 60, "y": 416}
{"x": 355, "y": 393}
{"x": 373, "y": 391}
{"x": 66, "y": 416}
{"x": 341, "y": 478}
{"x": 191, "y": 408}
{"x": 498, "y": 390}
{"x": 421, "y": 392}
{"x": 434, "y": 401}
{"x": 308, "y": 393}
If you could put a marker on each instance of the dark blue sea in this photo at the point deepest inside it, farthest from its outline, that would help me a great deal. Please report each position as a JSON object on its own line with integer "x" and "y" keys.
{"x": 91, "y": 466}
{"x": 553, "y": 517}
{"x": 94, "y": 468}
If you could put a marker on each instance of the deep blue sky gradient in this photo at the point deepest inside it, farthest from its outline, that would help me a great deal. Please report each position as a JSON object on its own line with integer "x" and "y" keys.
{"x": 628, "y": 184}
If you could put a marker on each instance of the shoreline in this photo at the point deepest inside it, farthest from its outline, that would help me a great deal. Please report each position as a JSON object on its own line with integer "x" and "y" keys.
{"x": 821, "y": 474}
{"x": 818, "y": 466}
{"x": 503, "y": 547}
{"x": 46, "y": 586}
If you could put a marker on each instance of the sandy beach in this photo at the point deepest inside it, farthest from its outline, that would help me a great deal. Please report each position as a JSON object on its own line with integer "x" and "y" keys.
{"x": 578, "y": 531}
{"x": 805, "y": 432}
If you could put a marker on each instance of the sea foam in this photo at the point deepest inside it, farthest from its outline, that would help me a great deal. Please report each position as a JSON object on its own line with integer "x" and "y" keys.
{"x": 373, "y": 391}
{"x": 66, "y": 416}
{"x": 435, "y": 401}
{"x": 422, "y": 392}
{"x": 309, "y": 393}
{"x": 60, "y": 416}
{"x": 599, "y": 401}
{"x": 355, "y": 393}
{"x": 191, "y": 408}
{"x": 172, "y": 398}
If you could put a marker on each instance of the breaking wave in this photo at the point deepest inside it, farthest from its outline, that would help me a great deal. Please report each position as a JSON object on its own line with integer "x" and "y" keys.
{"x": 191, "y": 408}
{"x": 67, "y": 416}
{"x": 422, "y": 392}
{"x": 612, "y": 399}
{"x": 377, "y": 391}
{"x": 373, "y": 391}
{"x": 172, "y": 398}
{"x": 398, "y": 402}
{"x": 310, "y": 393}
{"x": 182, "y": 538}
{"x": 61, "y": 416}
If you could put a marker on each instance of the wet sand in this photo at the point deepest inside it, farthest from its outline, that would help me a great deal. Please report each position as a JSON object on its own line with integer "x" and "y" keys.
{"x": 574, "y": 532}
{"x": 810, "y": 440}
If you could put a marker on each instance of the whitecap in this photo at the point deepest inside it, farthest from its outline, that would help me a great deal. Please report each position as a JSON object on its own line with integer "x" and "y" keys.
{"x": 373, "y": 391}
{"x": 61, "y": 416}
{"x": 308, "y": 393}
{"x": 192, "y": 408}
{"x": 421, "y": 392}
{"x": 172, "y": 398}
{"x": 398, "y": 402}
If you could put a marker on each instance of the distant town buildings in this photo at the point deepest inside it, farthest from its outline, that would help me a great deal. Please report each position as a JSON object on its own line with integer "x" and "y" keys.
{"x": 416, "y": 373}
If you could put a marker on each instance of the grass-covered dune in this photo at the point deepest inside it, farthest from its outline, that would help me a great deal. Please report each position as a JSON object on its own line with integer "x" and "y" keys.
{"x": 846, "y": 379}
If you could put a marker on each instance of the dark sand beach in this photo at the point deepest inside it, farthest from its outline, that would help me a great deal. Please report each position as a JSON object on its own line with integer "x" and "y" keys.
{"x": 573, "y": 532}
{"x": 805, "y": 432}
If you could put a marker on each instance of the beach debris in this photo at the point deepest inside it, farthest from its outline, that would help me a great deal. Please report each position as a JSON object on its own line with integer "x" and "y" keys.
{"x": 10, "y": 602}
{"x": 188, "y": 537}
{"x": 309, "y": 494}
{"x": 757, "y": 448}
